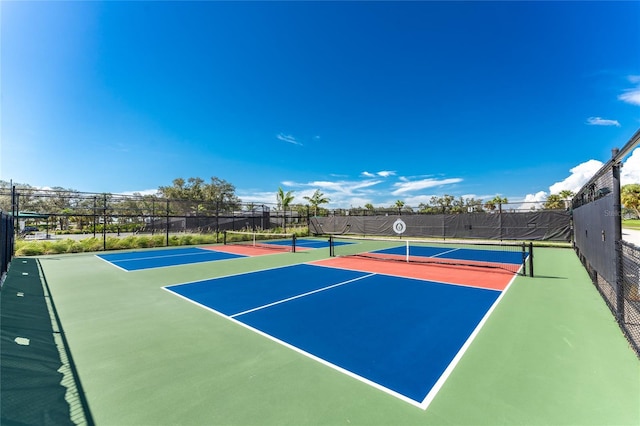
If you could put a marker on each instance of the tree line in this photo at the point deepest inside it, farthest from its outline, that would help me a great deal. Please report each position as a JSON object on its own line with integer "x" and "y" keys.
{"x": 195, "y": 196}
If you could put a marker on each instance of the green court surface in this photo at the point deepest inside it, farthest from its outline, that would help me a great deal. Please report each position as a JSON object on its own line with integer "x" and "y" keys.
{"x": 551, "y": 353}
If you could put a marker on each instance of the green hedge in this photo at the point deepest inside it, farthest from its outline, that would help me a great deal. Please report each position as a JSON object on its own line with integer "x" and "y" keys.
{"x": 40, "y": 247}
{"x": 34, "y": 248}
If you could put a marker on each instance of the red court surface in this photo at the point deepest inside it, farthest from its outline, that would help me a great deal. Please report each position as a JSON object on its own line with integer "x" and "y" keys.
{"x": 481, "y": 277}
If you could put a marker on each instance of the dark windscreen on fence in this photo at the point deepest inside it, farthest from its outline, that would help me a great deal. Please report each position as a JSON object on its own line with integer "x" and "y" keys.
{"x": 543, "y": 225}
{"x": 613, "y": 264}
{"x": 6, "y": 243}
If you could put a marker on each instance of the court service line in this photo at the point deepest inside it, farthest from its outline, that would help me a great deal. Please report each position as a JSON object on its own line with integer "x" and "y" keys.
{"x": 445, "y": 252}
{"x": 268, "y": 305}
{"x": 134, "y": 259}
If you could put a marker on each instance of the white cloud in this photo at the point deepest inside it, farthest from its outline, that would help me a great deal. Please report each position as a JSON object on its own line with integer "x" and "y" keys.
{"x": 258, "y": 197}
{"x": 599, "y": 121}
{"x": 580, "y": 175}
{"x": 533, "y": 201}
{"x": 408, "y": 186}
{"x": 288, "y": 138}
{"x": 143, "y": 192}
{"x": 382, "y": 173}
{"x": 632, "y": 96}
{"x": 631, "y": 169}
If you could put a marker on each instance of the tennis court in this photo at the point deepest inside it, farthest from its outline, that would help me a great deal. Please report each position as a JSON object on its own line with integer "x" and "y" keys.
{"x": 161, "y": 258}
{"x": 148, "y": 259}
{"x": 138, "y": 260}
{"x": 308, "y": 338}
{"x": 377, "y": 328}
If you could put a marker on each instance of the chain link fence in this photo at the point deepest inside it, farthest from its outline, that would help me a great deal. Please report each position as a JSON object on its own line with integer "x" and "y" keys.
{"x": 41, "y": 214}
{"x": 613, "y": 264}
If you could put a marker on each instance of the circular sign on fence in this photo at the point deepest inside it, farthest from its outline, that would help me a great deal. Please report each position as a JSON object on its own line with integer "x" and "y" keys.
{"x": 399, "y": 226}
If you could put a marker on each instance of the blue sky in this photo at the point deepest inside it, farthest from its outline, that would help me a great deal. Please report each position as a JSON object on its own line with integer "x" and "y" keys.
{"x": 369, "y": 102}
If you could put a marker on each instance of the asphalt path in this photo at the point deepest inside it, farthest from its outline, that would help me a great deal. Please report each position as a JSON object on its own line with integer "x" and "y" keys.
{"x": 631, "y": 235}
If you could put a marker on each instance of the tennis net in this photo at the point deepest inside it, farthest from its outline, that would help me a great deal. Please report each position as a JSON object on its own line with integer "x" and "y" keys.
{"x": 266, "y": 240}
{"x": 513, "y": 257}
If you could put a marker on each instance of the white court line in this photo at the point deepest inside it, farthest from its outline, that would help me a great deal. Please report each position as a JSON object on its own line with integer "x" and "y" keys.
{"x": 452, "y": 365}
{"x": 424, "y": 404}
{"x": 111, "y": 263}
{"x": 203, "y": 251}
{"x": 299, "y": 296}
{"x": 444, "y": 252}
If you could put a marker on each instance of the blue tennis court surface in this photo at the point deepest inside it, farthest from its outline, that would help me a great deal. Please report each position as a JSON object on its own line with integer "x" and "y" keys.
{"x": 397, "y": 334}
{"x": 137, "y": 260}
{"x": 476, "y": 255}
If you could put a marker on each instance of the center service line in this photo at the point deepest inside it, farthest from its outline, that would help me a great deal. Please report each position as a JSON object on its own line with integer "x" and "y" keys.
{"x": 300, "y": 295}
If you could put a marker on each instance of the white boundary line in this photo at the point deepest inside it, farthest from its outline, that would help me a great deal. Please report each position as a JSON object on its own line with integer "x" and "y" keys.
{"x": 454, "y": 362}
{"x": 236, "y": 256}
{"x": 111, "y": 263}
{"x": 237, "y": 274}
{"x": 303, "y": 352}
{"x": 202, "y": 252}
{"x": 424, "y": 404}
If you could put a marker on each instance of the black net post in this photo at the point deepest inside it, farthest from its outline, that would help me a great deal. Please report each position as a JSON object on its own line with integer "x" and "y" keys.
{"x": 530, "y": 259}
{"x": 331, "y": 247}
{"x": 224, "y": 237}
{"x": 524, "y": 259}
{"x": 293, "y": 244}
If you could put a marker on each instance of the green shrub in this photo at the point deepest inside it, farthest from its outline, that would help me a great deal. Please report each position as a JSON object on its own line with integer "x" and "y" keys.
{"x": 31, "y": 248}
{"x": 91, "y": 244}
{"x": 158, "y": 241}
{"x": 58, "y": 247}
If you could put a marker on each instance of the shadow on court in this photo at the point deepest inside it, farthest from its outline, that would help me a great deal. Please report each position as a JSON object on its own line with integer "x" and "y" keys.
{"x": 38, "y": 382}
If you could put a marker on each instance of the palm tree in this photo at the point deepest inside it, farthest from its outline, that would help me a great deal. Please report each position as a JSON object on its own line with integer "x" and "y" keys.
{"x": 554, "y": 201}
{"x": 567, "y": 195}
{"x": 399, "y": 206}
{"x": 369, "y": 207}
{"x": 317, "y": 199}
{"x": 497, "y": 200}
{"x": 284, "y": 199}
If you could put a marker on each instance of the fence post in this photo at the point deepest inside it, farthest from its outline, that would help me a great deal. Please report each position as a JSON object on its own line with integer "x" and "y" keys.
{"x": 104, "y": 223}
{"x": 167, "y": 233}
{"x": 95, "y": 204}
{"x": 617, "y": 226}
{"x": 17, "y": 216}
